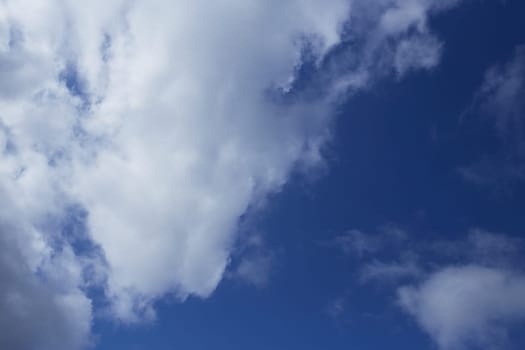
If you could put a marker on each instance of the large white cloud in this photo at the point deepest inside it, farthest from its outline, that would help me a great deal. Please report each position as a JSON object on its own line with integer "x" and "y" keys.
{"x": 193, "y": 138}
{"x": 166, "y": 122}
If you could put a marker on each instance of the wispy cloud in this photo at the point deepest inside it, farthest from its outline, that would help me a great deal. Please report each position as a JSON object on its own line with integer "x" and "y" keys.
{"x": 500, "y": 103}
{"x": 253, "y": 262}
{"x": 391, "y": 272}
{"x": 364, "y": 244}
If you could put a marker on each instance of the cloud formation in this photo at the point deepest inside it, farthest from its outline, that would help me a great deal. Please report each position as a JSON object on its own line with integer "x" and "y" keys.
{"x": 164, "y": 122}
{"x": 466, "y": 306}
{"x": 252, "y": 261}
{"x": 472, "y": 296}
{"x": 464, "y": 293}
{"x": 499, "y": 102}
{"x": 42, "y": 300}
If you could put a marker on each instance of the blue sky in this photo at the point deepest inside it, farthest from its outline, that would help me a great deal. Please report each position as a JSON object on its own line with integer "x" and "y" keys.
{"x": 339, "y": 175}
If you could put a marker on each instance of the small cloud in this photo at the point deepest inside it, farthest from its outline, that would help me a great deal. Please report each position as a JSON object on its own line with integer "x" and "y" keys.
{"x": 500, "y": 101}
{"x": 417, "y": 52}
{"x": 466, "y": 306}
{"x": 253, "y": 262}
{"x": 489, "y": 247}
{"x": 479, "y": 247}
{"x": 391, "y": 272}
{"x": 255, "y": 269}
{"x": 360, "y": 244}
{"x": 463, "y": 293}
{"x": 335, "y": 308}
{"x": 393, "y": 233}
{"x": 357, "y": 243}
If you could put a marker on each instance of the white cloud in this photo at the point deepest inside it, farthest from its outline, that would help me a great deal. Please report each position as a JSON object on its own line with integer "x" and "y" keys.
{"x": 358, "y": 243}
{"x": 418, "y": 52}
{"x": 363, "y": 244}
{"x": 336, "y": 307}
{"x": 193, "y": 140}
{"x": 160, "y": 119}
{"x": 464, "y": 293}
{"x": 501, "y": 94}
{"x": 42, "y": 304}
{"x": 390, "y": 272}
{"x": 255, "y": 269}
{"x": 468, "y": 293}
{"x": 252, "y": 261}
{"x": 467, "y": 306}
{"x": 178, "y": 138}
{"x": 500, "y": 102}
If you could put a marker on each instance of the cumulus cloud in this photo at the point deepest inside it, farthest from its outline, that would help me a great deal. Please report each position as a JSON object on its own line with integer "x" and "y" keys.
{"x": 467, "y": 306}
{"x": 42, "y": 298}
{"x": 165, "y": 122}
{"x": 468, "y": 294}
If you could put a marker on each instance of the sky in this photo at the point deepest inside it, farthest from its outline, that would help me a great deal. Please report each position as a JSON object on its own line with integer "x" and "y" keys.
{"x": 298, "y": 174}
